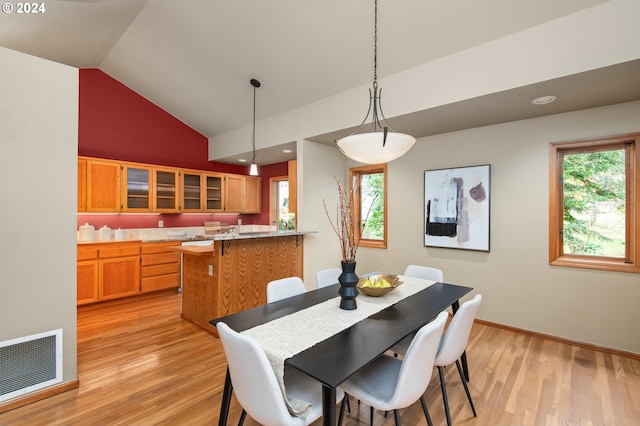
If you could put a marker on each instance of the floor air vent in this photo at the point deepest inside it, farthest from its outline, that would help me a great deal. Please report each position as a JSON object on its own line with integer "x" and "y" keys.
{"x": 30, "y": 363}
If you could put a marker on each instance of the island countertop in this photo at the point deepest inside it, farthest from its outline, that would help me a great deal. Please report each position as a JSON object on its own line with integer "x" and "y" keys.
{"x": 205, "y": 249}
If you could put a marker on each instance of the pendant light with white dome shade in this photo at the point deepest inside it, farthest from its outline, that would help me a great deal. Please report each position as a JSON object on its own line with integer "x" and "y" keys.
{"x": 382, "y": 144}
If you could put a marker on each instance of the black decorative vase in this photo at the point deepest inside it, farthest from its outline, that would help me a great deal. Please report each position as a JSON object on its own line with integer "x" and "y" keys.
{"x": 348, "y": 281}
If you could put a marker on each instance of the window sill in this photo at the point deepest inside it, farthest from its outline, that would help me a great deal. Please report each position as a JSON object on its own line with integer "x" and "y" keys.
{"x": 598, "y": 264}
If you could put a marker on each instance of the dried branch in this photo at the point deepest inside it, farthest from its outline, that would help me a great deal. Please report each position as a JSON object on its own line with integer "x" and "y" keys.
{"x": 344, "y": 226}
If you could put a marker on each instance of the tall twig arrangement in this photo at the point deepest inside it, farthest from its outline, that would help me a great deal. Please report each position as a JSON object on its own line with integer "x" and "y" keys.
{"x": 345, "y": 227}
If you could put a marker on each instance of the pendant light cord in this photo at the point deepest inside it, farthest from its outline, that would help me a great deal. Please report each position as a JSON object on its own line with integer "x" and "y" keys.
{"x": 375, "y": 45}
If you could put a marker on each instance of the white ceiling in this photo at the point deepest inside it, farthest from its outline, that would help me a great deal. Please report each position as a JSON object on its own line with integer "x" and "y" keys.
{"x": 194, "y": 58}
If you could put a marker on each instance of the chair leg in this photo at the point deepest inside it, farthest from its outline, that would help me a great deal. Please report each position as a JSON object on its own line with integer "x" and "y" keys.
{"x": 444, "y": 395}
{"x": 396, "y": 414}
{"x": 242, "y": 417}
{"x": 466, "y": 388}
{"x": 342, "y": 405}
{"x": 348, "y": 403}
{"x": 426, "y": 411}
{"x": 370, "y": 416}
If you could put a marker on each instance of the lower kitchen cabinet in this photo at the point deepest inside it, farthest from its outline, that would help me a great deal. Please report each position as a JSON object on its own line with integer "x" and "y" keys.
{"x": 160, "y": 266}
{"x": 107, "y": 271}
{"x": 87, "y": 275}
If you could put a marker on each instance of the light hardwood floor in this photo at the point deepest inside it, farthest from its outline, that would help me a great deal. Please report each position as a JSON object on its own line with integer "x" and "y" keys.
{"x": 140, "y": 364}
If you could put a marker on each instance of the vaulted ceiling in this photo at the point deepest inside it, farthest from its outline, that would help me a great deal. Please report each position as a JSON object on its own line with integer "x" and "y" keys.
{"x": 194, "y": 58}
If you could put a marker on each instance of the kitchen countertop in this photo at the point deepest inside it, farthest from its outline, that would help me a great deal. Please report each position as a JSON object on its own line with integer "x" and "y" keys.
{"x": 205, "y": 249}
{"x": 212, "y": 237}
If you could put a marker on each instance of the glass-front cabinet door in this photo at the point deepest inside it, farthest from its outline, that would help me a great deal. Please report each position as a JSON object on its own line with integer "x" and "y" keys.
{"x": 192, "y": 194}
{"x": 137, "y": 188}
{"x": 165, "y": 199}
{"x": 214, "y": 192}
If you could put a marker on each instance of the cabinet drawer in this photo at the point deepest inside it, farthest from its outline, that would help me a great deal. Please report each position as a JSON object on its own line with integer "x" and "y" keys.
{"x": 119, "y": 252}
{"x": 159, "y": 283}
{"x": 155, "y": 270}
{"x": 87, "y": 253}
{"x": 161, "y": 247}
{"x": 160, "y": 258}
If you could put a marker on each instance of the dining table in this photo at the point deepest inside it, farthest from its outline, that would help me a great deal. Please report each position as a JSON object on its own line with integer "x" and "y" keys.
{"x": 334, "y": 359}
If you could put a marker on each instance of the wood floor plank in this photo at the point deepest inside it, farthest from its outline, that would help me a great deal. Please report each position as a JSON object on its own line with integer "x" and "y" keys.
{"x": 140, "y": 364}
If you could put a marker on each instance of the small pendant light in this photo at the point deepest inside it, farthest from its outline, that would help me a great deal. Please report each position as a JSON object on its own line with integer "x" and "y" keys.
{"x": 253, "y": 170}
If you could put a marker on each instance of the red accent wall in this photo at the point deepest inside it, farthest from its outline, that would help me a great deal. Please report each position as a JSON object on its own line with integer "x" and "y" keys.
{"x": 117, "y": 123}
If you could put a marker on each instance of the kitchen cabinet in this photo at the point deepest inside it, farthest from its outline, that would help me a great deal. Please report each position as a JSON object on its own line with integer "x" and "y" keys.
{"x": 166, "y": 198}
{"x": 119, "y": 270}
{"x": 252, "y": 194}
{"x": 87, "y": 275}
{"x": 242, "y": 194}
{"x": 218, "y": 282}
{"x": 82, "y": 184}
{"x": 107, "y": 271}
{"x": 214, "y": 194}
{"x": 103, "y": 186}
{"x": 111, "y": 186}
{"x": 191, "y": 191}
{"x": 136, "y": 190}
{"x": 160, "y": 266}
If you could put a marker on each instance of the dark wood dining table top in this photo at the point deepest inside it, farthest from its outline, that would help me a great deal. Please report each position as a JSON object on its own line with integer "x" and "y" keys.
{"x": 335, "y": 359}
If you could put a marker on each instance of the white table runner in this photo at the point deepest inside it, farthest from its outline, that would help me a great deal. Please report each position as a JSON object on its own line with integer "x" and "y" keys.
{"x": 284, "y": 337}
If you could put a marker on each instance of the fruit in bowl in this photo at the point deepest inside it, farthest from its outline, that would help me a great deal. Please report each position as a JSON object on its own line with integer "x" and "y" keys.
{"x": 378, "y": 285}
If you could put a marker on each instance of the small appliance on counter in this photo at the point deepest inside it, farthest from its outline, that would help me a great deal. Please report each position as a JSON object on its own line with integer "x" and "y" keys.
{"x": 87, "y": 232}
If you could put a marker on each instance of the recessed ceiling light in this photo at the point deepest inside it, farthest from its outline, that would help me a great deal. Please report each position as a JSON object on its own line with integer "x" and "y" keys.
{"x": 242, "y": 160}
{"x": 287, "y": 151}
{"x": 542, "y": 100}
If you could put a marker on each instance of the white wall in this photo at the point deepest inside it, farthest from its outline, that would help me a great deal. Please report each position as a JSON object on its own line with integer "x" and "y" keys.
{"x": 565, "y": 46}
{"x": 520, "y": 288}
{"x": 317, "y": 166}
{"x": 38, "y": 147}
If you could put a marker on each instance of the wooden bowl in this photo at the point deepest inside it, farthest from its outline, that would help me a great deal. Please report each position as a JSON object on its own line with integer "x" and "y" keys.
{"x": 378, "y": 291}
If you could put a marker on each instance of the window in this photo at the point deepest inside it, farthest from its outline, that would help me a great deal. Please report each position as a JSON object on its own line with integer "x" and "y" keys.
{"x": 370, "y": 207}
{"x": 594, "y": 204}
{"x": 279, "y": 207}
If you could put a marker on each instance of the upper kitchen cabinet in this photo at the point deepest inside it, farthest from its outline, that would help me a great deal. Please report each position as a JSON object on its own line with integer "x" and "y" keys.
{"x": 191, "y": 191}
{"x": 214, "y": 194}
{"x": 165, "y": 186}
{"x": 110, "y": 186}
{"x": 103, "y": 186}
{"x": 242, "y": 194}
{"x": 136, "y": 191}
{"x": 82, "y": 184}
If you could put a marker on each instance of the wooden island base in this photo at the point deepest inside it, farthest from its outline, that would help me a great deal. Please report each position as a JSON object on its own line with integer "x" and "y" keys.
{"x": 232, "y": 275}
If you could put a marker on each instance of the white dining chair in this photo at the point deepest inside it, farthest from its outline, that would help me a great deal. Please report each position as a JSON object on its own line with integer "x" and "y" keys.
{"x": 256, "y": 386}
{"x": 390, "y": 383}
{"x": 327, "y": 277}
{"x": 283, "y": 288}
{"x": 424, "y": 272}
{"x": 453, "y": 344}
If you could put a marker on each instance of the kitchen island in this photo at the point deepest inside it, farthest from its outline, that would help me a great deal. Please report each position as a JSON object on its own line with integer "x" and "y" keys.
{"x": 231, "y": 274}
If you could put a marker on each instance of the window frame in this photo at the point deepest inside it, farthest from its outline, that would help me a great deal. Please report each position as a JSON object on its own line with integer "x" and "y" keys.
{"x": 557, "y": 150}
{"x": 355, "y": 174}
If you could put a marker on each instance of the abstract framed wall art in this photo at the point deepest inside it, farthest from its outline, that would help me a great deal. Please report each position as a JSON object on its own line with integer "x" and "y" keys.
{"x": 456, "y": 207}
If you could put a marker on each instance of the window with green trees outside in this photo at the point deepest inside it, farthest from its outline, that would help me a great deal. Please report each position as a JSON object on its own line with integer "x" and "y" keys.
{"x": 594, "y": 204}
{"x": 370, "y": 204}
